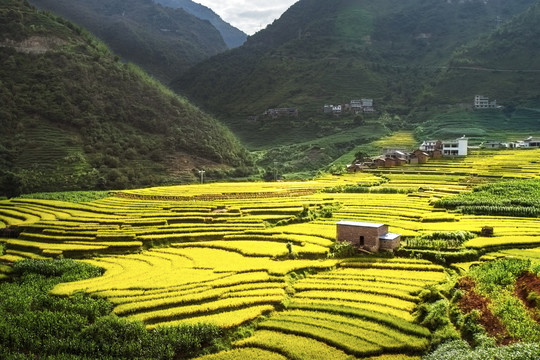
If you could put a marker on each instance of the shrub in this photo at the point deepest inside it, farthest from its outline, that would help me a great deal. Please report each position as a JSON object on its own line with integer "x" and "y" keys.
{"x": 343, "y": 249}
{"x": 36, "y": 324}
{"x": 501, "y": 273}
{"x": 459, "y": 349}
{"x": 66, "y": 269}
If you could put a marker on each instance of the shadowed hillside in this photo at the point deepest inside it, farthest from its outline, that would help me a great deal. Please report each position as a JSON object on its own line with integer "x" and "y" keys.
{"x": 327, "y": 52}
{"x": 74, "y": 117}
{"x": 233, "y": 37}
{"x": 163, "y": 41}
{"x": 322, "y": 52}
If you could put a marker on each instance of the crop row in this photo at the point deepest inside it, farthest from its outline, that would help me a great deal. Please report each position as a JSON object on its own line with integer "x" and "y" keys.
{"x": 504, "y": 241}
{"x": 244, "y": 353}
{"x": 187, "y": 299}
{"x": 357, "y": 284}
{"x": 363, "y": 298}
{"x": 393, "y": 266}
{"x": 226, "y": 320}
{"x": 387, "y": 337}
{"x": 292, "y": 346}
{"x": 259, "y": 248}
{"x": 342, "y": 340}
{"x": 230, "y": 304}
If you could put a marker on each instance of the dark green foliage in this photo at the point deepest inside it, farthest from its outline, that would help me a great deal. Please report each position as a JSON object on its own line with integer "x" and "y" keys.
{"x": 73, "y": 118}
{"x": 69, "y": 196}
{"x": 433, "y": 312}
{"x": 163, "y": 41}
{"x": 440, "y": 240}
{"x": 36, "y": 324}
{"x": 503, "y": 63}
{"x": 506, "y": 198}
{"x": 65, "y": 269}
{"x": 445, "y": 258}
{"x": 309, "y": 214}
{"x": 343, "y": 249}
{"x": 469, "y": 327}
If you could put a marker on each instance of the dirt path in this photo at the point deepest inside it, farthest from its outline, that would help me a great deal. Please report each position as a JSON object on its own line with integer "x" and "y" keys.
{"x": 472, "y": 301}
{"x": 526, "y": 284}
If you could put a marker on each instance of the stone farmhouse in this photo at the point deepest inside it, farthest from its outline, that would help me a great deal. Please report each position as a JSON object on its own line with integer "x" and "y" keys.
{"x": 367, "y": 236}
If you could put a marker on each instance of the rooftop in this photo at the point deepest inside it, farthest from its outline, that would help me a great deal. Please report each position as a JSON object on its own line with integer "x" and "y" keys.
{"x": 359, "y": 224}
{"x": 389, "y": 236}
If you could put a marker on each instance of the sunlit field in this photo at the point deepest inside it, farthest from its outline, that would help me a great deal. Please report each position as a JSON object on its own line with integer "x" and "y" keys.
{"x": 233, "y": 254}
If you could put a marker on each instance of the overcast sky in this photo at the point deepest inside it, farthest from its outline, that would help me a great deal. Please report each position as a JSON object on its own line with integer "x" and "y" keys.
{"x": 249, "y": 16}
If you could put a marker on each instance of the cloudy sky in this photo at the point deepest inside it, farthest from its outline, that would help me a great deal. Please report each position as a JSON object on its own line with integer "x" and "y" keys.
{"x": 249, "y": 16}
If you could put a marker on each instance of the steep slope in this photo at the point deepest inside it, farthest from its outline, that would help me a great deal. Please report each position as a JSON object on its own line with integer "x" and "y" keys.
{"x": 74, "y": 117}
{"x": 329, "y": 52}
{"x": 504, "y": 65}
{"x": 163, "y": 41}
{"x": 233, "y": 37}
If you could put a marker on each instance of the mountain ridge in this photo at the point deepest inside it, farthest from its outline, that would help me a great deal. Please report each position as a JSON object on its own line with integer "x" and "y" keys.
{"x": 162, "y": 40}
{"x": 233, "y": 37}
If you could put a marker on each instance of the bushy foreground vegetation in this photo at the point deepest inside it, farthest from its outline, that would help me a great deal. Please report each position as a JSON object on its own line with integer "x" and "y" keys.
{"x": 35, "y": 323}
{"x": 484, "y": 308}
{"x": 460, "y": 349}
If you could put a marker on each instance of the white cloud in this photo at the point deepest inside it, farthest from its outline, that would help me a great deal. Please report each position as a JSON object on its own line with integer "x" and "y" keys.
{"x": 249, "y": 16}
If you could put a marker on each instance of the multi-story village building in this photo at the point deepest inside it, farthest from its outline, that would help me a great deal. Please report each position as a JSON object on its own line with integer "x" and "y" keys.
{"x": 482, "y": 102}
{"x": 436, "y": 148}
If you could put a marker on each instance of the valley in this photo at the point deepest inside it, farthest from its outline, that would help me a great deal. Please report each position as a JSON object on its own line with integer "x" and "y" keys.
{"x": 357, "y": 180}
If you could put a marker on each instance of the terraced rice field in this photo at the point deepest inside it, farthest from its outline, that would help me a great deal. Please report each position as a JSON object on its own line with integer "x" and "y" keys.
{"x": 221, "y": 253}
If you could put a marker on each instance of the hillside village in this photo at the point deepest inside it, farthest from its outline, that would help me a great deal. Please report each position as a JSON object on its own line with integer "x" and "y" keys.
{"x": 430, "y": 149}
{"x": 355, "y": 106}
{"x": 360, "y": 106}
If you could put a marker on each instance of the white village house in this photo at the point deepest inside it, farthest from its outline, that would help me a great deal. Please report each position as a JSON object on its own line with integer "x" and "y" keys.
{"x": 457, "y": 147}
{"x": 482, "y": 102}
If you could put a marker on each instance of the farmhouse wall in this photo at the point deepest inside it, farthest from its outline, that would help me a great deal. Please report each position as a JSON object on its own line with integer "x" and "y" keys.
{"x": 354, "y": 235}
{"x": 390, "y": 244}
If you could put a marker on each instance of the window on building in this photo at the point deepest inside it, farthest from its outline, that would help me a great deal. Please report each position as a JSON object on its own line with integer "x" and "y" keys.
{"x": 362, "y": 240}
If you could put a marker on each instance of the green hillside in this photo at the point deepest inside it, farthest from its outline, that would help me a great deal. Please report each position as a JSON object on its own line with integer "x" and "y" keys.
{"x": 162, "y": 40}
{"x": 327, "y": 52}
{"x": 394, "y": 52}
{"x": 74, "y": 117}
{"x": 504, "y": 65}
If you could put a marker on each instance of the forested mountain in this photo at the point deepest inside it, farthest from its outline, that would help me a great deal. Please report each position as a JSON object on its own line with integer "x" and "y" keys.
{"x": 74, "y": 117}
{"x": 163, "y": 41}
{"x": 233, "y": 37}
{"x": 332, "y": 51}
{"x": 503, "y": 64}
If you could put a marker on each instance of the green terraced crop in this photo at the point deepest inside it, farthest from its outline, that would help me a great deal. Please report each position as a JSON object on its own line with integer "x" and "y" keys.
{"x": 292, "y": 346}
{"x": 225, "y": 320}
{"x": 244, "y": 353}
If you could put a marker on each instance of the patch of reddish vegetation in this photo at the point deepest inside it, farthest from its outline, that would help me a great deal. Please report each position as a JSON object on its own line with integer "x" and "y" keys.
{"x": 472, "y": 301}
{"x": 526, "y": 284}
